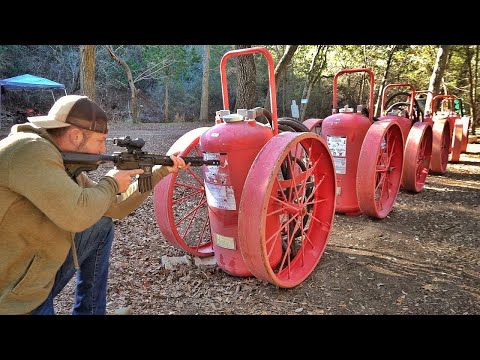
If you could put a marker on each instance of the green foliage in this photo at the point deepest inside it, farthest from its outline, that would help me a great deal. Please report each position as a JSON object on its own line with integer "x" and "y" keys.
{"x": 9, "y": 64}
{"x": 181, "y": 66}
{"x": 215, "y": 86}
{"x": 59, "y": 63}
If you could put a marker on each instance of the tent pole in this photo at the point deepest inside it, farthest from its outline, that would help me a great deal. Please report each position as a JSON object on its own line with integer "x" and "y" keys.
{"x": 53, "y": 95}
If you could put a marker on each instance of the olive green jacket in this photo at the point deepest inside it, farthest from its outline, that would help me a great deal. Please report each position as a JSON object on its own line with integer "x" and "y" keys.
{"x": 41, "y": 209}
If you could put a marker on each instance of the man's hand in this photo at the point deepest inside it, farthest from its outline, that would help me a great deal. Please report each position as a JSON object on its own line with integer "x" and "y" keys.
{"x": 124, "y": 177}
{"x": 178, "y": 163}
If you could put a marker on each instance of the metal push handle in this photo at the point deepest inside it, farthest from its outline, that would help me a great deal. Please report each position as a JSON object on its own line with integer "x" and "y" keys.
{"x": 412, "y": 97}
{"x": 447, "y": 97}
{"x": 372, "y": 84}
{"x": 271, "y": 79}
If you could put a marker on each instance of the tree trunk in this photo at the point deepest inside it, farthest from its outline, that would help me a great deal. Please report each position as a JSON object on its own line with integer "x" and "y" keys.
{"x": 246, "y": 80}
{"x": 284, "y": 95}
{"x": 314, "y": 73}
{"x": 206, "y": 71}
{"x": 362, "y": 80}
{"x": 280, "y": 69}
{"x": 131, "y": 83}
{"x": 165, "y": 113}
{"x": 284, "y": 62}
{"x": 76, "y": 81}
{"x": 391, "y": 51}
{"x": 437, "y": 74}
{"x": 87, "y": 71}
{"x": 306, "y": 95}
{"x": 307, "y": 87}
{"x": 472, "y": 82}
{"x": 475, "y": 119}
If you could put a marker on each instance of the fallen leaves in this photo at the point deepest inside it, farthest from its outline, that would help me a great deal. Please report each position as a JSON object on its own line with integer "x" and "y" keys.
{"x": 401, "y": 264}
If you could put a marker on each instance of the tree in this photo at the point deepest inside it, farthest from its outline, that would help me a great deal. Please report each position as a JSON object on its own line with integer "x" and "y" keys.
{"x": 437, "y": 74}
{"x": 131, "y": 83}
{"x": 175, "y": 63}
{"x": 284, "y": 61}
{"x": 169, "y": 77}
{"x": 246, "y": 80}
{"x": 390, "y": 51}
{"x": 87, "y": 71}
{"x": 313, "y": 75}
{"x": 206, "y": 72}
{"x": 473, "y": 83}
{"x": 280, "y": 69}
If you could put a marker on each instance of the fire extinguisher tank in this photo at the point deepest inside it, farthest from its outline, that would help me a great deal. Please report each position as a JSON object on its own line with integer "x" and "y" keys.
{"x": 236, "y": 143}
{"x": 344, "y": 133}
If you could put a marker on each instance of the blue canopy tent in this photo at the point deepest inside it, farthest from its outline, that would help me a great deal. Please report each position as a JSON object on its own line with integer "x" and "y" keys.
{"x": 28, "y": 82}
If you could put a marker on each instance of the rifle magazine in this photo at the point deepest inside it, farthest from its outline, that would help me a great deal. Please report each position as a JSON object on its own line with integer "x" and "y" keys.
{"x": 144, "y": 183}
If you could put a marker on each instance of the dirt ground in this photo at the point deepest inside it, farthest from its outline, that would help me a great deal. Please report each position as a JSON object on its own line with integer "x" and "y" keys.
{"x": 423, "y": 258}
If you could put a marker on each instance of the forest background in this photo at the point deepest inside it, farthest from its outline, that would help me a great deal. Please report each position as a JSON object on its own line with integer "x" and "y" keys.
{"x": 178, "y": 83}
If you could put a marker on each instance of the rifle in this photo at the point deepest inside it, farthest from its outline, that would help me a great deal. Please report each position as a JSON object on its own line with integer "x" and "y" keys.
{"x": 133, "y": 158}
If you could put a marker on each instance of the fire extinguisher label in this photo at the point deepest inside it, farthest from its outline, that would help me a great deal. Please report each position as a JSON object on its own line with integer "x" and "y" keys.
{"x": 211, "y": 156}
{"x": 337, "y": 145}
{"x": 220, "y": 196}
{"x": 340, "y": 165}
{"x": 218, "y": 187}
{"x": 338, "y": 149}
{"x": 225, "y": 242}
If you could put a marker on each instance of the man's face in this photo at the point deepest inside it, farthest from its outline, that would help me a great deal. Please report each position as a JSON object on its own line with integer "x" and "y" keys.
{"x": 93, "y": 143}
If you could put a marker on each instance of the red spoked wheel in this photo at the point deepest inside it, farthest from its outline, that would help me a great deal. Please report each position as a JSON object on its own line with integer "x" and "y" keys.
{"x": 287, "y": 207}
{"x": 180, "y": 202}
{"x": 314, "y": 125}
{"x": 440, "y": 146}
{"x": 380, "y": 166}
{"x": 418, "y": 153}
{"x": 457, "y": 140}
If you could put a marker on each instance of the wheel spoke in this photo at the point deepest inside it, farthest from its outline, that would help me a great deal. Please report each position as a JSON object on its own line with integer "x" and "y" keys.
{"x": 190, "y": 195}
{"x": 193, "y": 211}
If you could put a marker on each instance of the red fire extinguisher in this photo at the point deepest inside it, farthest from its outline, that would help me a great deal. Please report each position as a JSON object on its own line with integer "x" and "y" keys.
{"x": 447, "y": 113}
{"x": 235, "y": 140}
{"x": 344, "y": 132}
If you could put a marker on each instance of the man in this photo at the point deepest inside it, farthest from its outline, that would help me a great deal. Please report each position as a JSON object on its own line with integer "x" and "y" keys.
{"x": 53, "y": 226}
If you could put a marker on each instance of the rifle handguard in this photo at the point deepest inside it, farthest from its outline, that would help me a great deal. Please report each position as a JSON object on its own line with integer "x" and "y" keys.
{"x": 194, "y": 161}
